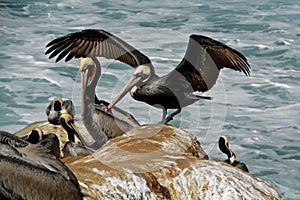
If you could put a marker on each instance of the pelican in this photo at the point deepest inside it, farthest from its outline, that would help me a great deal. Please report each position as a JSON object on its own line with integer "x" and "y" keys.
{"x": 60, "y": 112}
{"x": 71, "y": 148}
{"x": 22, "y": 163}
{"x": 56, "y": 106}
{"x": 224, "y": 147}
{"x": 67, "y": 121}
{"x": 198, "y": 70}
{"x": 102, "y": 125}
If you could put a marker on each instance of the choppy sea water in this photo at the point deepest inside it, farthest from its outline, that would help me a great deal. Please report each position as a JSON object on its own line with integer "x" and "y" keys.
{"x": 260, "y": 114}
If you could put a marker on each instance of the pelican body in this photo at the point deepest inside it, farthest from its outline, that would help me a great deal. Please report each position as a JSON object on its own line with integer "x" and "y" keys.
{"x": 198, "y": 70}
{"x": 224, "y": 147}
{"x": 171, "y": 91}
{"x": 31, "y": 171}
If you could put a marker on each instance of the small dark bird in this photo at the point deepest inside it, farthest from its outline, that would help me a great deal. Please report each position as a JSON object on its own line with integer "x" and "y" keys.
{"x": 32, "y": 171}
{"x": 56, "y": 106}
{"x": 198, "y": 70}
{"x": 224, "y": 147}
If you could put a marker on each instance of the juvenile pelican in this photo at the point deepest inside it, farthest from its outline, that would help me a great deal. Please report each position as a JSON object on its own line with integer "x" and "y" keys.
{"x": 198, "y": 70}
{"x": 224, "y": 147}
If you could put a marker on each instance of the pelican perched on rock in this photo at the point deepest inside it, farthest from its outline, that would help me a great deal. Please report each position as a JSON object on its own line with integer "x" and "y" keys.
{"x": 102, "y": 125}
{"x": 198, "y": 70}
{"x": 22, "y": 163}
{"x": 67, "y": 121}
{"x": 61, "y": 112}
{"x": 59, "y": 105}
{"x": 224, "y": 147}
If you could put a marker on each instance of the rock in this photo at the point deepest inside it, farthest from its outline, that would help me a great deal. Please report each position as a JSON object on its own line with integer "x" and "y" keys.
{"x": 162, "y": 162}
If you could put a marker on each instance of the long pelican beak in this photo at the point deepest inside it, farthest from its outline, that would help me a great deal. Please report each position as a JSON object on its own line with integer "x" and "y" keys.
{"x": 83, "y": 90}
{"x": 87, "y": 77}
{"x": 131, "y": 83}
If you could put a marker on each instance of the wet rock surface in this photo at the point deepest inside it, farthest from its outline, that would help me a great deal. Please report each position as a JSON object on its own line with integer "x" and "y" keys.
{"x": 162, "y": 162}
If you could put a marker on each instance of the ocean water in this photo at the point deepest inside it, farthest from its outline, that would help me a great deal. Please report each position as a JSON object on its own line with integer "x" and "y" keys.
{"x": 260, "y": 114}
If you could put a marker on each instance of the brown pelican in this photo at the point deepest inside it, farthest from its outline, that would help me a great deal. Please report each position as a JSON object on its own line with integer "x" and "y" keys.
{"x": 71, "y": 148}
{"x": 61, "y": 112}
{"x": 31, "y": 171}
{"x": 67, "y": 121}
{"x": 56, "y": 106}
{"x": 224, "y": 147}
{"x": 102, "y": 125}
{"x": 198, "y": 70}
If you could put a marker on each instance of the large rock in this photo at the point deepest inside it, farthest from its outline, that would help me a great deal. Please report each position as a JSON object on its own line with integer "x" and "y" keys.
{"x": 162, "y": 162}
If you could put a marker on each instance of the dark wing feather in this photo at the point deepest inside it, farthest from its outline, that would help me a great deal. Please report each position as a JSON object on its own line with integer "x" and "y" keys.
{"x": 95, "y": 43}
{"x": 12, "y": 140}
{"x": 203, "y": 60}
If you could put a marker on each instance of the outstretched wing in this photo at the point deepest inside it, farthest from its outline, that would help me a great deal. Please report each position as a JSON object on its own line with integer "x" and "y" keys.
{"x": 95, "y": 43}
{"x": 205, "y": 57}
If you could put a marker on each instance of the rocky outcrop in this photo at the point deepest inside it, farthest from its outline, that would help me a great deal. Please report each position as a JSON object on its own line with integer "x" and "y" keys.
{"x": 162, "y": 162}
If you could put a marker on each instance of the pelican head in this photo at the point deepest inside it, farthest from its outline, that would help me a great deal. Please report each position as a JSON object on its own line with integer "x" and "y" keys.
{"x": 67, "y": 121}
{"x": 87, "y": 69}
{"x": 58, "y": 103}
{"x": 52, "y": 111}
{"x": 35, "y": 136}
{"x": 141, "y": 75}
{"x": 90, "y": 70}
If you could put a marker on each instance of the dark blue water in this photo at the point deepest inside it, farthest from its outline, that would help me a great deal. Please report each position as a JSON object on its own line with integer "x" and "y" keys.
{"x": 260, "y": 114}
